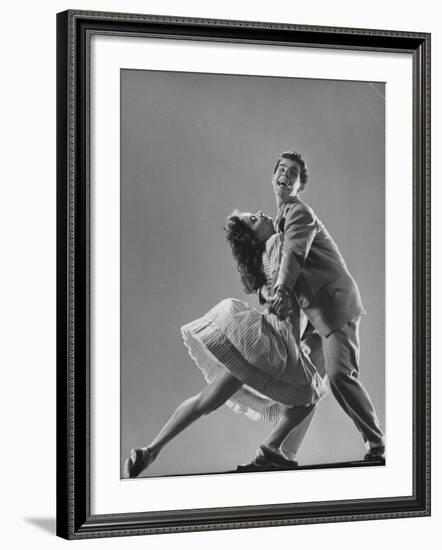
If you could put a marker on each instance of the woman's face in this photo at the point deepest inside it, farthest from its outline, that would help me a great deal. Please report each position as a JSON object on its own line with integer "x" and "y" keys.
{"x": 261, "y": 224}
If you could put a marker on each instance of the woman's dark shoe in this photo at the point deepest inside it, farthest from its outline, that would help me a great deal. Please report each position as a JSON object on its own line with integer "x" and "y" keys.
{"x": 255, "y": 466}
{"x": 138, "y": 461}
{"x": 267, "y": 459}
{"x": 376, "y": 454}
{"x": 273, "y": 457}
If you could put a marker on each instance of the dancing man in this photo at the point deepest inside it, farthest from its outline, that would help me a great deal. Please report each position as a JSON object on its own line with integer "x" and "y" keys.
{"x": 313, "y": 269}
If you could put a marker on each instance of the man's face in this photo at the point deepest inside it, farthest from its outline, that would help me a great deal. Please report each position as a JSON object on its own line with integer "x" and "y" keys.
{"x": 286, "y": 179}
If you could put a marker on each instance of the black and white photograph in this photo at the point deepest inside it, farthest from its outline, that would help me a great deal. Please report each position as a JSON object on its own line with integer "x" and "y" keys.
{"x": 243, "y": 314}
{"x": 252, "y": 273}
{"x": 221, "y": 272}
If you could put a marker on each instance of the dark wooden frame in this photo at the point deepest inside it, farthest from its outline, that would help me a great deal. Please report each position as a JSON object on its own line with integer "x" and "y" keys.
{"x": 74, "y": 519}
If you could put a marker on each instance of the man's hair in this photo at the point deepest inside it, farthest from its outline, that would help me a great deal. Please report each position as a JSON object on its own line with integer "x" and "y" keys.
{"x": 296, "y": 157}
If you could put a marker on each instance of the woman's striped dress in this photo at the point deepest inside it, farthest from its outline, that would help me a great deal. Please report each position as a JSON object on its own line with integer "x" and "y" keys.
{"x": 259, "y": 349}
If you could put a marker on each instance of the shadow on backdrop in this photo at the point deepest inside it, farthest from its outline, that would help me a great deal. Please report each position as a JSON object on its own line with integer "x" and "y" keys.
{"x": 46, "y": 524}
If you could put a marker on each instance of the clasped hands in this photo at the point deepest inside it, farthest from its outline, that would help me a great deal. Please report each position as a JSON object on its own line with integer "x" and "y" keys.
{"x": 280, "y": 303}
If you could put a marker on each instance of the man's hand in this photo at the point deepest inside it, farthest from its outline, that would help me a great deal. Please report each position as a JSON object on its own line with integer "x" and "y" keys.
{"x": 280, "y": 304}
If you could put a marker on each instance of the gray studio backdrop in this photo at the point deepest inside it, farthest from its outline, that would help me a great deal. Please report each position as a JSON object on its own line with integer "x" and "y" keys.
{"x": 193, "y": 147}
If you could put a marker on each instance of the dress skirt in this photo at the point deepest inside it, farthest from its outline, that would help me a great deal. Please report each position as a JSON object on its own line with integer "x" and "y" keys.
{"x": 258, "y": 349}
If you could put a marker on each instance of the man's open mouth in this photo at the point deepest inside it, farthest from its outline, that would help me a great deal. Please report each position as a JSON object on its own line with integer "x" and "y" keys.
{"x": 283, "y": 183}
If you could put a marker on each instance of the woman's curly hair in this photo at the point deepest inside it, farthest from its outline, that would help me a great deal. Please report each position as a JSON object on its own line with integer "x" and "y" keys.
{"x": 247, "y": 251}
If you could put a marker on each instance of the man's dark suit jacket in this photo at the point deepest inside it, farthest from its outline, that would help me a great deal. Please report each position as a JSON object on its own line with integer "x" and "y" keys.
{"x": 314, "y": 269}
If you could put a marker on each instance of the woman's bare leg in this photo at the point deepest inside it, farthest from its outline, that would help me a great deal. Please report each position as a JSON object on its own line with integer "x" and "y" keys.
{"x": 293, "y": 442}
{"x": 291, "y": 418}
{"x": 209, "y": 399}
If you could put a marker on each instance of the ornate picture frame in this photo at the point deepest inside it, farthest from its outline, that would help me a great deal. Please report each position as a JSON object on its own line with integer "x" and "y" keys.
{"x": 76, "y": 517}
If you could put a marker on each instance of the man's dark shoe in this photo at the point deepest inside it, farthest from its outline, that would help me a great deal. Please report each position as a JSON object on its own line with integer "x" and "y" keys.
{"x": 376, "y": 454}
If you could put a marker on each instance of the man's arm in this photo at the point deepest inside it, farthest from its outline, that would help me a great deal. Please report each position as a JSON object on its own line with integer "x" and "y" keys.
{"x": 299, "y": 232}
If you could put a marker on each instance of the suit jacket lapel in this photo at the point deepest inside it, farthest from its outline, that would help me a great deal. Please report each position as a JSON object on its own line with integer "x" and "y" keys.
{"x": 280, "y": 217}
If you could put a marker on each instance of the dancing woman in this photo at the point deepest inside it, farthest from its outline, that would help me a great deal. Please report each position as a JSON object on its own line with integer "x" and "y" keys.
{"x": 251, "y": 359}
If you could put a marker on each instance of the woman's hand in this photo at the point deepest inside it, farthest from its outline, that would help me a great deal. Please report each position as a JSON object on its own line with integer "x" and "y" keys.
{"x": 280, "y": 304}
